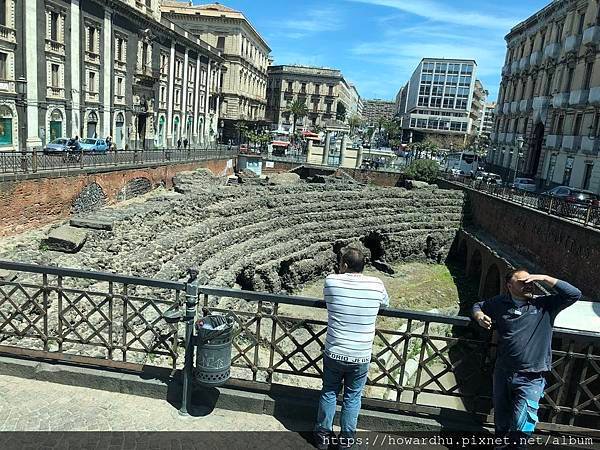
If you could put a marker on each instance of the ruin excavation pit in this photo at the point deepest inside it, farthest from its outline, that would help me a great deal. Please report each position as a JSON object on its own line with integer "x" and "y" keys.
{"x": 256, "y": 236}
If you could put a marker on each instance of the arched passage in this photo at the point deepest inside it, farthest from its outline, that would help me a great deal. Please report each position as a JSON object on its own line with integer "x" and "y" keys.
{"x": 474, "y": 269}
{"x": 491, "y": 284}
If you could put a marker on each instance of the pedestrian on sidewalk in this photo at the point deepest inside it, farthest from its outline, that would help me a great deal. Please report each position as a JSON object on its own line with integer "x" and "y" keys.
{"x": 185, "y": 143}
{"x": 178, "y": 143}
{"x": 353, "y": 302}
{"x": 524, "y": 324}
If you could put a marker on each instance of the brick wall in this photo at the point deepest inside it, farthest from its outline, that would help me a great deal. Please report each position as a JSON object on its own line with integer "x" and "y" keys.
{"x": 28, "y": 204}
{"x": 562, "y": 248}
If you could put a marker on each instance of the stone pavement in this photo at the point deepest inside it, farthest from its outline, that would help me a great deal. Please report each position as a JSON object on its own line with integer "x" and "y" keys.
{"x": 30, "y": 405}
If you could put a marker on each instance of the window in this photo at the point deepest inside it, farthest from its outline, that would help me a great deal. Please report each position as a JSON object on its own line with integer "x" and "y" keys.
{"x": 568, "y": 171}
{"x": 221, "y": 43}
{"x": 54, "y": 72}
{"x": 577, "y": 124}
{"x": 559, "y": 125}
{"x": 549, "y": 84}
{"x": 92, "y": 82}
{"x": 570, "y": 73}
{"x": 3, "y": 68}
{"x": 3, "y": 12}
{"x": 290, "y": 86}
{"x": 317, "y": 88}
{"x": 543, "y": 41}
{"x": 120, "y": 87}
{"x": 580, "y": 23}
{"x": 589, "y": 68}
{"x": 330, "y": 90}
{"x": 54, "y": 26}
{"x": 144, "y": 54}
{"x": 119, "y": 49}
{"x": 303, "y": 88}
{"x": 587, "y": 175}
{"x": 91, "y": 39}
{"x": 551, "y": 167}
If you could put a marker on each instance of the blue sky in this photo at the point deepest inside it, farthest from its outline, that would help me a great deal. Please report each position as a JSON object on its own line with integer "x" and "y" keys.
{"x": 378, "y": 43}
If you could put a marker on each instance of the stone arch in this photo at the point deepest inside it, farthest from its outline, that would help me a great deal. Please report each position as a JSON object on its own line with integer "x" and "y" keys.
{"x": 91, "y": 198}
{"x": 56, "y": 122}
{"x": 134, "y": 188}
{"x": 491, "y": 283}
{"x": 91, "y": 124}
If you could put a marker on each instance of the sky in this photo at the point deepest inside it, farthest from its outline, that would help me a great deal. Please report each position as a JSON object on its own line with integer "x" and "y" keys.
{"x": 377, "y": 44}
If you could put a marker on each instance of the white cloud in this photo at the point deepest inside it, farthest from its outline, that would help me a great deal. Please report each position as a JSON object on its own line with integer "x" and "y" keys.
{"x": 311, "y": 22}
{"x": 439, "y": 12}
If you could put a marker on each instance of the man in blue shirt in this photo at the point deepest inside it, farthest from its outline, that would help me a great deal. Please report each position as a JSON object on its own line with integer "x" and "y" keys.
{"x": 524, "y": 325}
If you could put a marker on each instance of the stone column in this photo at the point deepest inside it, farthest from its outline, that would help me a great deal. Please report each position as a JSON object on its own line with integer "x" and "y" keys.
{"x": 171, "y": 98}
{"x": 75, "y": 67}
{"x": 108, "y": 64}
{"x": 359, "y": 155}
{"x": 207, "y": 116}
{"x": 326, "y": 148}
{"x": 343, "y": 145}
{"x": 31, "y": 60}
{"x": 184, "y": 94}
{"x": 197, "y": 99}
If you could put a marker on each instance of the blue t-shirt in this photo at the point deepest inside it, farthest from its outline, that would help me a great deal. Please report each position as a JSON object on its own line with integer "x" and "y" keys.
{"x": 525, "y": 330}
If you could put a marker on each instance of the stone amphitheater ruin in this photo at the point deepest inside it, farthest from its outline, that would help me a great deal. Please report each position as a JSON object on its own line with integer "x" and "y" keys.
{"x": 256, "y": 235}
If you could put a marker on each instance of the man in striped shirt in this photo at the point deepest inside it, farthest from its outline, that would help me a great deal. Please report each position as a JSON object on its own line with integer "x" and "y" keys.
{"x": 353, "y": 301}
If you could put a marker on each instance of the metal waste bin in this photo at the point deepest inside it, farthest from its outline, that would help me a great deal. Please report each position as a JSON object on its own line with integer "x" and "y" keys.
{"x": 213, "y": 350}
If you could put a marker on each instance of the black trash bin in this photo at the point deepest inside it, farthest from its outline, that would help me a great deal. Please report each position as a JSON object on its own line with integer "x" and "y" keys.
{"x": 213, "y": 353}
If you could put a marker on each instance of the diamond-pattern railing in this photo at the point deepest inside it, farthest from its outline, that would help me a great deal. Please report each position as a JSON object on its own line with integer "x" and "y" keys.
{"x": 422, "y": 362}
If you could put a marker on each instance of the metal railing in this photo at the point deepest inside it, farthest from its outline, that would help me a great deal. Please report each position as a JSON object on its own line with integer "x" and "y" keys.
{"x": 422, "y": 362}
{"x": 37, "y": 161}
{"x": 586, "y": 215}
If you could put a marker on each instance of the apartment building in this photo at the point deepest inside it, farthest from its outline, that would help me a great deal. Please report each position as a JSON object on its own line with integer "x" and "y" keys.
{"x": 487, "y": 124}
{"x": 99, "y": 68}
{"x": 547, "y": 117}
{"x": 375, "y": 109}
{"x": 320, "y": 88}
{"x": 443, "y": 97}
{"x": 246, "y": 54}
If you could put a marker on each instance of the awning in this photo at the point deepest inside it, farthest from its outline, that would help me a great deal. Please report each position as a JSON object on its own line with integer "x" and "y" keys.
{"x": 310, "y": 134}
{"x": 280, "y": 144}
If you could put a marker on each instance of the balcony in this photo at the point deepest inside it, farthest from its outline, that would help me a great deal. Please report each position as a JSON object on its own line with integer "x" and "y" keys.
{"x": 541, "y": 102}
{"x": 571, "y": 143}
{"x": 590, "y": 146}
{"x": 524, "y": 63}
{"x": 55, "y": 47}
{"x": 498, "y": 109}
{"x": 55, "y": 92}
{"x": 506, "y": 108}
{"x": 119, "y": 99}
{"x": 7, "y": 86}
{"x": 120, "y": 65}
{"x": 93, "y": 97}
{"x": 92, "y": 57}
{"x": 572, "y": 43}
{"x": 7, "y": 34}
{"x": 560, "y": 100}
{"x": 514, "y": 67}
{"x": 579, "y": 97}
{"x": 591, "y": 36}
{"x": 514, "y": 107}
{"x": 594, "y": 97}
{"x": 552, "y": 51}
{"x": 509, "y": 138}
{"x": 535, "y": 59}
{"x": 525, "y": 105}
{"x": 493, "y": 136}
{"x": 506, "y": 70}
{"x": 554, "y": 141}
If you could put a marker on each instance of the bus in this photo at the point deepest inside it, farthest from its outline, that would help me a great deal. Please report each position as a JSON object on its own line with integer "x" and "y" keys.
{"x": 463, "y": 163}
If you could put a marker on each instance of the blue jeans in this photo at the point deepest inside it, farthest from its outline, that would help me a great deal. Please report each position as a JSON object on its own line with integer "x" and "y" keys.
{"x": 516, "y": 403}
{"x": 354, "y": 377}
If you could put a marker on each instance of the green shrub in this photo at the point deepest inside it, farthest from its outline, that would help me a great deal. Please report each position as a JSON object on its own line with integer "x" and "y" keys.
{"x": 423, "y": 170}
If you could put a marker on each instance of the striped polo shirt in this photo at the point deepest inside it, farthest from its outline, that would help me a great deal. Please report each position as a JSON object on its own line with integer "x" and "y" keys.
{"x": 353, "y": 301}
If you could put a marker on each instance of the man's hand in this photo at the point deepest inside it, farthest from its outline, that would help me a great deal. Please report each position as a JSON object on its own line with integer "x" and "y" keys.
{"x": 542, "y": 278}
{"x": 483, "y": 320}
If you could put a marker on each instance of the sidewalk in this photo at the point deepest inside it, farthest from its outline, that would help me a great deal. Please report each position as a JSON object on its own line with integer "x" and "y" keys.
{"x": 29, "y": 405}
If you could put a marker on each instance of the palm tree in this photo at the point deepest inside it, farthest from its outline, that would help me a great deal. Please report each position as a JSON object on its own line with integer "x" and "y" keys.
{"x": 297, "y": 109}
{"x": 354, "y": 122}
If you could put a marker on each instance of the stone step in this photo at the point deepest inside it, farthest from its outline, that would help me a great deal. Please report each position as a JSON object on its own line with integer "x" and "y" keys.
{"x": 94, "y": 224}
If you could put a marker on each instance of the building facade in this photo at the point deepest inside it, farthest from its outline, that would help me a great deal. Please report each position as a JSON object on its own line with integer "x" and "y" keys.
{"x": 489, "y": 118}
{"x": 549, "y": 98}
{"x": 246, "y": 54}
{"x": 102, "y": 68}
{"x": 478, "y": 108}
{"x": 350, "y": 99}
{"x": 375, "y": 109}
{"x": 318, "y": 87}
{"x": 442, "y": 97}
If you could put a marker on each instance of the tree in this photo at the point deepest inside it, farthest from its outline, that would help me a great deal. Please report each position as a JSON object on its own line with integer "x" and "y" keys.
{"x": 297, "y": 109}
{"x": 423, "y": 170}
{"x": 242, "y": 130}
{"x": 354, "y": 122}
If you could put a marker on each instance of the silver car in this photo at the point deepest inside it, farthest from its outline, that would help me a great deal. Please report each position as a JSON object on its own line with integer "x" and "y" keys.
{"x": 59, "y": 145}
{"x": 524, "y": 184}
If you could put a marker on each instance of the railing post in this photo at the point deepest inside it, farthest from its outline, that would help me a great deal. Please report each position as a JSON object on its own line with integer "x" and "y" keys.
{"x": 81, "y": 159}
{"x": 588, "y": 214}
{"x": 34, "y": 161}
{"x": 550, "y": 207}
{"x": 191, "y": 302}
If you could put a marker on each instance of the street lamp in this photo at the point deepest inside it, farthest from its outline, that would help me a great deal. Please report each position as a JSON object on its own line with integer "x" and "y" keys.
{"x": 21, "y": 90}
{"x": 520, "y": 142}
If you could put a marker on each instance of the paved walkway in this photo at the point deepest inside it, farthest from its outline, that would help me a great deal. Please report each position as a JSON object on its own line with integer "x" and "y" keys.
{"x": 29, "y": 405}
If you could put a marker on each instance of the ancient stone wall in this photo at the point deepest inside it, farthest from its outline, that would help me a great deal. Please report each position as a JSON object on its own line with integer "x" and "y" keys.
{"x": 31, "y": 203}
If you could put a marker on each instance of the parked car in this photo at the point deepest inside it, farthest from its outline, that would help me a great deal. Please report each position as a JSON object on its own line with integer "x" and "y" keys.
{"x": 57, "y": 146}
{"x": 572, "y": 202}
{"x": 94, "y": 145}
{"x": 525, "y": 184}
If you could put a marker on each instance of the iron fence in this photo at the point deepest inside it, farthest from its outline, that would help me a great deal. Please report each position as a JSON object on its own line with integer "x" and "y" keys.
{"x": 422, "y": 362}
{"x": 36, "y": 162}
{"x": 587, "y": 215}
